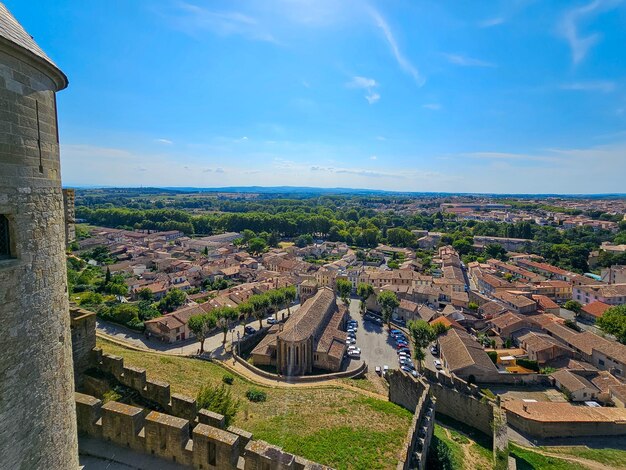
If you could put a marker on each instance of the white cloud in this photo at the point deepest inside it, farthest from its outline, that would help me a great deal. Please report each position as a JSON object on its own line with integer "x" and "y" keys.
{"x": 192, "y": 19}
{"x": 432, "y": 106}
{"x": 604, "y": 86}
{"x": 381, "y": 137}
{"x": 373, "y": 157}
{"x": 570, "y": 23}
{"x": 464, "y": 61}
{"x": 491, "y": 22}
{"x": 367, "y": 84}
{"x": 164, "y": 141}
{"x": 403, "y": 62}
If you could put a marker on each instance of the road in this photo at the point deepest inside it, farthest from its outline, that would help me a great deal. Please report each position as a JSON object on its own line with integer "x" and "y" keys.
{"x": 212, "y": 345}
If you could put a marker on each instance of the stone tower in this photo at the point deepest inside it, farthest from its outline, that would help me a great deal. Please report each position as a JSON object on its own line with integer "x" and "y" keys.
{"x": 37, "y": 411}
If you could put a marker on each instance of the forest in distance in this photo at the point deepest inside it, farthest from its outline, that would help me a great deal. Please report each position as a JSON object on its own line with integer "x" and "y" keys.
{"x": 362, "y": 221}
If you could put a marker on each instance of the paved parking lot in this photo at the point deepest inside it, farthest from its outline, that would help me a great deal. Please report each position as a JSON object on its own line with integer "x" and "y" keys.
{"x": 377, "y": 347}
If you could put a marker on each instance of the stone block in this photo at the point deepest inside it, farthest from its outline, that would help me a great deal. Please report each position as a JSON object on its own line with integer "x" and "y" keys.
{"x": 211, "y": 418}
{"x": 88, "y": 412}
{"x": 114, "y": 365}
{"x": 134, "y": 377}
{"x": 184, "y": 407}
{"x": 158, "y": 392}
{"x": 260, "y": 455}
{"x": 122, "y": 424}
{"x": 214, "y": 448}
{"x": 244, "y": 437}
{"x": 167, "y": 436}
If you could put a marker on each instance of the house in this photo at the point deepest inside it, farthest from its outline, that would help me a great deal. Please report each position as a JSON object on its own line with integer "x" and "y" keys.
{"x": 611, "y": 294}
{"x": 466, "y": 358}
{"x": 574, "y": 386}
{"x": 542, "y": 348}
{"x": 546, "y": 305}
{"x": 591, "y": 312}
{"x": 173, "y": 326}
{"x": 508, "y": 323}
{"x": 517, "y": 302}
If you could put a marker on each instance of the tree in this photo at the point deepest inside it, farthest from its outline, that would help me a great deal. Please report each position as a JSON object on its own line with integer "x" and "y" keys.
{"x": 613, "y": 322}
{"x": 276, "y": 299}
{"x": 388, "y": 302}
{"x": 290, "y": 294}
{"x": 257, "y": 246}
{"x": 260, "y": 304}
{"x": 439, "y": 328}
{"x": 107, "y": 276}
{"x": 472, "y": 306}
{"x": 493, "y": 250}
{"x": 91, "y": 299}
{"x": 145, "y": 294}
{"x": 118, "y": 289}
{"x": 201, "y": 325}
{"x": 422, "y": 334}
{"x": 218, "y": 400}
{"x": 574, "y": 306}
{"x": 172, "y": 300}
{"x": 364, "y": 291}
{"x": 223, "y": 316}
{"x": 245, "y": 310}
{"x": 344, "y": 289}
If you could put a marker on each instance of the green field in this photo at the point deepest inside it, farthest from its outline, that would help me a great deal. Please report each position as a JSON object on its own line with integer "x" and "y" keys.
{"x": 331, "y": 425}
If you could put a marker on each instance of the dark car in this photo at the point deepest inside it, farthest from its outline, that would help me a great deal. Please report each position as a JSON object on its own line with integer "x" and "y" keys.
{"x": 405, "y": 349}
{"x": 249, "y": 330}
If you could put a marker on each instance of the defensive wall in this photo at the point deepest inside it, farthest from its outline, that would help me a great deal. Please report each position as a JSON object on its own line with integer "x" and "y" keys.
{"x": 195, "y": 444}
{"x": 183, "y": 433}
{"x": 83, "y": 331}
{"x": 420, "y": 433}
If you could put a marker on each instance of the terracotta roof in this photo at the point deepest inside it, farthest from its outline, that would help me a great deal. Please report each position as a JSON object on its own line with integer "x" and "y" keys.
{"x": 564, "y": 412}
{"x": 461, "y": 351}
{"x": 309, "y": 317}
{"x": 571, "y": 381}
{"x": 539, "y": 341}
{"x": 596, "y": 309}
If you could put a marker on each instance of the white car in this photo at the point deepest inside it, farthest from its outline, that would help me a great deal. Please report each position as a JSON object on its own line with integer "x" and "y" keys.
{"x": 351, "y": 330}
{"x": 350, "y": 341}
{"x": 378, "y": 370}
{"x": 271, "y": 320}
{"x": 438, "y": 365}
{"x": 353, "y": 348}
{"x": 354, "y": 354}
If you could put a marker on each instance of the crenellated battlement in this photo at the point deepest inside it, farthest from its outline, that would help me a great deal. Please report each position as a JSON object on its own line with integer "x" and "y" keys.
{"x": 191, "y": 443}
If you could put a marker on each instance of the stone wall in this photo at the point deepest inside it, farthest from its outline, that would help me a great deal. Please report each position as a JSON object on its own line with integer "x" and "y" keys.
{"x": 69, "y": 211}
{"x": 183, "y": 424}
{"x": 420, "y": 432}
{"x": 37, "y": 413}
{"x": 196, "y": 445}
{"x": 83, "y": 331}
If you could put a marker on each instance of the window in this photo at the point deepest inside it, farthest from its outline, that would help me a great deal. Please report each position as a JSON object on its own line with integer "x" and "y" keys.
{"x": 5, "y": 240}
{"x": 212, "y": 453}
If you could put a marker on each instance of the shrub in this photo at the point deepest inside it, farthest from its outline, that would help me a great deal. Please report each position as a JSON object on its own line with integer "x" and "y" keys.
{"x": 218, "y": 400}
{"x": 228, "y": 379}
{"x": 493, "y": 356}
{"x": 528, "y": 364}
{"x": 572, "y": 324}
{"x": 256, "y": 395}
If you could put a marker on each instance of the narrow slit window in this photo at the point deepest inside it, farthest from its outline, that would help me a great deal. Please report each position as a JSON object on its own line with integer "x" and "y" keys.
{"x": 5, "y": 241}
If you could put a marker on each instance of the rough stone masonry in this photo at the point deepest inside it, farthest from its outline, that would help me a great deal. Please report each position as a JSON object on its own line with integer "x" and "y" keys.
{"x": 37, "y": 413}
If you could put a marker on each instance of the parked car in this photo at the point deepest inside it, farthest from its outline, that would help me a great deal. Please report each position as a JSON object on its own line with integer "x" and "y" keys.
{"x": 353, "y": 348}
{"x": 248, "y": 330}
{"x": 438, "y": 365}
{"x": 400, "y": 322}
{"x": 271, "y": 320}
{"x": 350, "y": 341}
{"x": 408, "y": 370}
{"x": 385, "y": 368}
{"x": 353, "y": 322}
{"x": 354, "y": 354}
{"x": 378, "y": 370}
{"x": 351, "y": 330}
{"x": 402, "y": 346}
{"x": 395, "y": 332}
{"x": 406, "y": 350}
{"x": 434, "y": 351}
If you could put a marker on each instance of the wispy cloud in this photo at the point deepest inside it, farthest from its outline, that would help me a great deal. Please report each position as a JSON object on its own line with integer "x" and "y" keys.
{"x": 465, "y": 61}
{"x": 164, "y": 141}
{"x": 491, "y": 22}
{"x": 367, "y": 84}
{"x": 403, "y": 62}
{"x": 569, "y": 27}
{"x": 373, "y": 157}
{"x": 193, "y": 18}
{"x": 604, "y": 86}
{"x": 432, "y": 106}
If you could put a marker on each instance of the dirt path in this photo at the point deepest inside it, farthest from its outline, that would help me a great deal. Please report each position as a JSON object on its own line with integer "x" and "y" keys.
{"x": 591, "y": 464}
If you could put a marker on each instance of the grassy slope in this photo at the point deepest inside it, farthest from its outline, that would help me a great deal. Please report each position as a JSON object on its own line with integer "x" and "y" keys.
{"x": 528, "y": 460}
{"x": 333, "y": 426}
{"x": 614, "y": 458}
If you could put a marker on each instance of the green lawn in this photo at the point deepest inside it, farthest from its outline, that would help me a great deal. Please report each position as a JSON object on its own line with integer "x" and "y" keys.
{"x": 334, "y": 426}
{"x": 614, "y": 458}
{"x": 529, "y": 460}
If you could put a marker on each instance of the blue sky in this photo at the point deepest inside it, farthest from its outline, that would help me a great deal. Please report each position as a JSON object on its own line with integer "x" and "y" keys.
{"x": 492, "y": 96}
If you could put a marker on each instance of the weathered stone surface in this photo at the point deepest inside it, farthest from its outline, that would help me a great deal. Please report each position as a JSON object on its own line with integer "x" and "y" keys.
{"x": 37, "y": 411}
